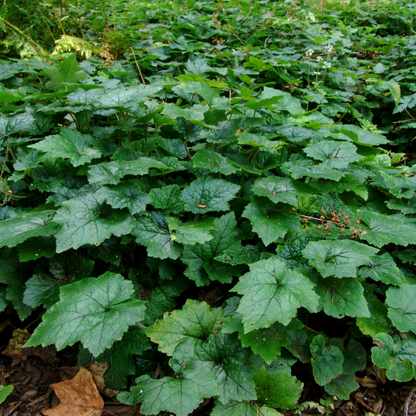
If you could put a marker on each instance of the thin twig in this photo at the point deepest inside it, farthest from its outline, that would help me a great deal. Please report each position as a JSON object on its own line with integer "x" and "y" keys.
{"x": 138, "y": 67}
{"x": 186, "y": 142}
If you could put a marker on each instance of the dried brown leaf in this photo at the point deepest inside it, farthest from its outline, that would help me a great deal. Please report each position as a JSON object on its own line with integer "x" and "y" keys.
{"x": 79, "y": 396}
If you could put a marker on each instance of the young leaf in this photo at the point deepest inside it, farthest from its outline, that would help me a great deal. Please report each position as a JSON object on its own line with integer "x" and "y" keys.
{"x": 85, "y": 221}
{"x": 206, "y": 194}
{"x": 69, "y": 72}
{"x": 69, "y": 144}
{"x": 225, "y": 237}
{"x": 85, "y": 311}
{"x": 339, "y": 258}
{"x": 402, "y": 307}
{"x": 191, "y": 232}
{"x": 272, "y": 293}
{"x": 5, "y": 392}
{"x": 180, "y": 395}
{"x": 232, "y": 365}
{"x": 326, "y": 360}
{"x": 277, "y": 390}
{"x": 190, "y": 327}
{"x": 32, "y": 224}
{"x": 398, "y": 359}
{"x": 341, "y": 298}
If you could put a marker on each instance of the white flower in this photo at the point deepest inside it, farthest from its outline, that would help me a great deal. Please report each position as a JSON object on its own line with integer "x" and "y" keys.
{"x": 327, "y": 64}
{"x": 329, "y": 48}
{"x": 309, "y": 52}
{"x": 319, "y": 58}
{"x": 317, "y": 73}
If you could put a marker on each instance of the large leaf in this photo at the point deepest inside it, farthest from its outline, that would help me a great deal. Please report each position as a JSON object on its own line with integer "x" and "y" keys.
{"x": 206, "y": 194}
{"x": 333, "y": 154}
{"x": 69, "y": 72}
{"x": 190, "y": 327}
{"x": 232, "y": 365}
{"x": 342, "y": 386}
{"x": 69, "y": 144}
{"x": 269, "y": 224}
{"x": 180, "y": 395}
{"x": 32, "y": 224}
{"x": 127, "y": 194}
{"x": 127, "y": 95}
{"x": 342, "y": 298}
{"x": 402, "y": 307}
{"x": 339, "y": 258}
{"x": 213, "y": 161}
{"x": 277, "y": 390}
{"x": 383, "y": 269}
{"x": 272, "y": 293}
{"x": 85, "y": 312}
{"x": 153, "y": 232}
{"x": 167, "y": 198}
{"x": 85, "y": 221}
{"x": 279, "y": 189}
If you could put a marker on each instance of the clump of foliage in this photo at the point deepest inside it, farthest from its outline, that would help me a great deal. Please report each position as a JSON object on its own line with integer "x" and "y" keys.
{"x": 234, "y": 196}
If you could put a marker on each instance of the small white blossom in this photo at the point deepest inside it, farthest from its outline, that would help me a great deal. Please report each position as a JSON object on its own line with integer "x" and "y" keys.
{"x": 317, "y": 73}
{"x": 327, "y": 64}
{"x": 319, "y": 58}
{"x": 309, "y": 53}
{"x": 329, "y": 48}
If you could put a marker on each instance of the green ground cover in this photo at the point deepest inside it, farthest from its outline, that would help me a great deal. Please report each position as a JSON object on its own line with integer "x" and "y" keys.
{"x": 212, "y": 192}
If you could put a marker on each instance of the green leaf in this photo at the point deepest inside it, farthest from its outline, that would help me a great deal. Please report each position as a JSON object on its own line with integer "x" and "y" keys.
{"x": 213, "y": 161}
{"x": 200, "y": 257}
{"x": 32, "y": 224}
{"x": 167, "y": 198}
{"x": 378, "y": 320}
{"x": 342, "y": 386}
{"x": 110, "y": 173}
{"x": 69, "y": 144}
{"x": 342, "y": 298}
{"x": 383, "y": 229}
{"x": 267, "y": 222}
{"x": 316, "y": 171}
{"x": 398, "y": 359}
{"x": 232, "y": 365}
{"x": 37, "y": 247}
{"x": 277, "y": 390}
{"x": 236, "y": 409}
{"x": 85, "y": 312}
{"x": 402, "y": 307}
{"x": 15, "y": 281}
{"x": 85, "y": 221}
{"x": 188, "y": 327}
{"x": 5, "y": 392}
{"x": 206, "y": 194}
{"x": 338, "y": 258}
{"x": 192, "y": 232}
{"x": 121, "y": 97}
{"x": 179, "y": 395}
{"x": 267, "y": 343}
{"x": 326, "y": 360}
{"x": 355, "y": 358}
{"x": 280, "y": 189}
{"x": 333, "y": 154}
{"x": 152, "y": 231}
{"x": 119, "y": 357}
{"x": 41, "y": 290}
{"x": 383, "y": 269}
{"x": 272, "y": 293}
{"x": 68, "y": 73}
{"x": 127, "y": 194}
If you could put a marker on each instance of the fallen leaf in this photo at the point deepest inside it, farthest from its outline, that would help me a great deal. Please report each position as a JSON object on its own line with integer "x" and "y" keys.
{"x": 79, "y": 396}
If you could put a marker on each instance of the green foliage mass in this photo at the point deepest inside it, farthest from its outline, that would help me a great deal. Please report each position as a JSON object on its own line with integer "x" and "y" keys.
{"x": 205, "y": 194}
